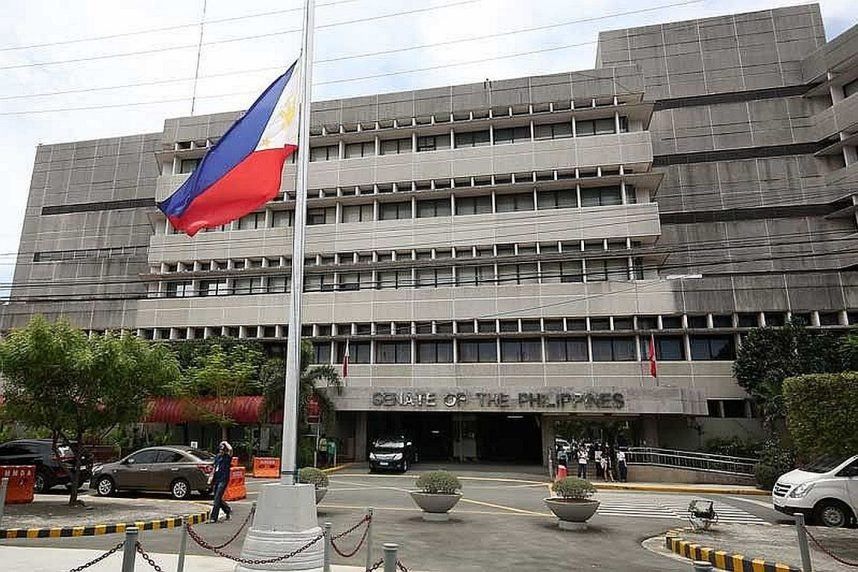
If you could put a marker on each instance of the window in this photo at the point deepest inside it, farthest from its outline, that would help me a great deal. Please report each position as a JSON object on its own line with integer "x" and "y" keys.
{"x": 179, "y": 289}
{"x": 511, "y": 135}
{"x": 435, "y": 352}
{"x": 697, "y": 322}
{"x": 478, "y": 351}
{"x": 601, "y": 196}
{"x": 598, "y": 324}
{"x": 392, "y": 211}
{"x": 775, "y": 318}
{"x": 613, "y": 269}
{"x": 322, "y": 352}
{"x": 614, "y": 349}
{"x": 465, "y": 327}
{"x": 433, "y": 208}
{"x": 553, "y": 325}
{"x": 325, "y": 215}
{"x": 487, "y": 326}
{"x": 472, "y": 139}
{"x": 145, "y": 457}
{"x": 326, "y": 153}
{"x": 722, "y": 321}
{"x": 710, "y": 348}
{"x": 281, "y": 218}
{"x": 252, "y": 221}
{"x": 444, "y": 327}
{"x": 667, "y": 348}
{"x": 671, "y": 322}
{"x": 734, "y": 408}
{"x": 521, "y": 350}
{"x": 473, "y": 205}
{"x": 359, "y": 352}
{"x": 851, "y": 88}
{"x": 393, "y": 352}
{"x": 647, "y": 322}
{"x": 829, "y": 319}
{"x": 474, "y": 275}
{"x": 188, "y": 165}
{"x": 348, "y": 281}
{"x": 433, "y": 142}
{"x": 434, "y": 277}
{"x": 748, "y": 320}
{"x": 562, "y": 199}
{"x": 278, "y": 284}
{"x": 357, "y": 213}
{"x": 518, "y": 273}
{"x": 566, "y": 349}
{"x": 517, "y": 202}
{"x": 595, "y": 127}
{"x": 395, "y": 278}
{"x": 562, "y": 272}
{"x": 212, "y": 287}
{"x": 362, "y": 149}
{"x": 396, "y": 146}
{"x": 553, "y": 131}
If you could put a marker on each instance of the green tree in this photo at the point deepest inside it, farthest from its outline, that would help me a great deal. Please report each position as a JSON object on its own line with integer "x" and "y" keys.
{"x": 273, "y": 379}
{"x": 848, "y": 349}
{"x": 770, "y": 355}
{"x": 222, "y": 376}
{"x": 58, "y": 378}
{"x": 822, "y": 413}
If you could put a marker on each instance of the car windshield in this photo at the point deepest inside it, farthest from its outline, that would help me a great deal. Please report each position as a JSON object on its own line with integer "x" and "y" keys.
{"x": 388, "y": 449}
{"x": 825, "y": 463}
{"x": 201, "y": 455}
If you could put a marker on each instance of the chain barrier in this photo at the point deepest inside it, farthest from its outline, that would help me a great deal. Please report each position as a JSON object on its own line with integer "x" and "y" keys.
{"x": 376, "y": 566}
{"x": 400, "y": 566}
{"x": 98, "y": 559}
{"x": 240, "y": 528}
{"x": 827, "y": 551}
{"x": 360, "y": 543}
{"x": 252, "y": 561}
{"x": 147, "y": 558}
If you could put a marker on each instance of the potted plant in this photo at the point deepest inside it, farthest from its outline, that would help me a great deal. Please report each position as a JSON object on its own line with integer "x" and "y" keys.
{"x": 317, "y": 478}
{"x": 573, "y": 504}
{"x": 439, "y": 492}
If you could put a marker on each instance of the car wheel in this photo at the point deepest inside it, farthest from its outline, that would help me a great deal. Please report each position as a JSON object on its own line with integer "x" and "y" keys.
{"x": 832, "y": 514}
{"x": 42, "y": 483}
{"x": 404, "y": 466}
{"x": 104, "y": 487}
{"x": 180, "y": 489}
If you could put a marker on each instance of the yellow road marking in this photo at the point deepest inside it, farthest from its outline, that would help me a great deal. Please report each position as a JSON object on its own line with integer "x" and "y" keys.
{"x": 454, "y": 512}
{"x": 500, "y": 506}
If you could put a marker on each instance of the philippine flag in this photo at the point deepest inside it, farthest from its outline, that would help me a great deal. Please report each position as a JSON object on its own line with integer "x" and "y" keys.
{"x": 242, "y": 172}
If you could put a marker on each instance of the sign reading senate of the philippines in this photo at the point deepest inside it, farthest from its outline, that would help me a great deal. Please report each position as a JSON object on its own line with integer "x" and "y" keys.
{"x": 500, "y": 400}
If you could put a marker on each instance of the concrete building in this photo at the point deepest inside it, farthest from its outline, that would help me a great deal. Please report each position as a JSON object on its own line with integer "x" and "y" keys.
{"x": 498, "y": 255}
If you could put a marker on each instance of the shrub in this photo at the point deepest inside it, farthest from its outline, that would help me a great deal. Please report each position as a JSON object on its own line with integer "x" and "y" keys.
{"x": 733, "y": 447}
{"x": 439, "y": 482}
{"x": 574, "y": 488}
{"x": 775, "y": 460}
{"x": 313, "y": 476}
{"x": 822, "y": 413}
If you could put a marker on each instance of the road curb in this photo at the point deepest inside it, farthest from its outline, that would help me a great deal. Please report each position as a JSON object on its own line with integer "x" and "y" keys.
{"x": 721, "y": 559}
{"x": 681, "y": 489}
{"x": 99, "y": 529}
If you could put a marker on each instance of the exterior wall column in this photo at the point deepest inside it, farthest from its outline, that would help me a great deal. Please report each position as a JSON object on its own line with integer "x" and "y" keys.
{"x": 360, "y": 436}
{"x": 548, "y": 434}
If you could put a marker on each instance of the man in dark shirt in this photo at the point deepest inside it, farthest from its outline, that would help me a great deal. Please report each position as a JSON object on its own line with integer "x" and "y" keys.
{"x": 220, "y": 480}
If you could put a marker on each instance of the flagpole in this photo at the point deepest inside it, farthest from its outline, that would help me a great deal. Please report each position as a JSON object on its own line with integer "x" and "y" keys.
{"x": 288, "y": 463}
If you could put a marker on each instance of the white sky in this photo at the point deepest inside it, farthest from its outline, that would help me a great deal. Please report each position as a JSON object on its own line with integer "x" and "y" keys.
{"x": 24, "y": 23}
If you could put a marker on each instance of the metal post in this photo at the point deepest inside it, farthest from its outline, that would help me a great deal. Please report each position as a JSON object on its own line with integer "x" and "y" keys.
{"x": 369, "y": 561}
{"x": 389, "y": 556}
{"x": 293, "y": 343}
{"x": 806, "y": 564}
{"x": 183, "y": 546}
{"x": 129, "y": 552}
{"x": 703, "y": 566}
{"x": 326, "y": 562}
{"x": 4, "y": 486}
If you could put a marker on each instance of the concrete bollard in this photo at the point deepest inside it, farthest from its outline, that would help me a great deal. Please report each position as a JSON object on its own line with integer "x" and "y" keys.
{"x": 390, "y": 556}
{"x": 4, "y": 486}
{"x": 326, "y": 562}
{"x": 703, "y": 566}
{"x": 129, "y": 551}
{"x": 806, "y": 564}
{"x": 183, "y": 546}
{"x": 369, "y": 561}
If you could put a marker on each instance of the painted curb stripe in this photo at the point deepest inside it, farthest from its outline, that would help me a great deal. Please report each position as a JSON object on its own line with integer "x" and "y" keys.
{"x": 721, "y": 559}
{"x": 99, "y": 529}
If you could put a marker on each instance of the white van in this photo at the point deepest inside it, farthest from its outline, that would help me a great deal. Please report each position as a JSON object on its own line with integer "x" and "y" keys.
{"x": 825, "y": 491}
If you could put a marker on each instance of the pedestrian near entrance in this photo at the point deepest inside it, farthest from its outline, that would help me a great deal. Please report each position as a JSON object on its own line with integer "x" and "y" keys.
{"x": 582, "y": 463}
{"x": 622, "y": 468}
{"x": 322, "y": 451}
{"x": 597, "y": 457}
{"x": 220, "y": 480}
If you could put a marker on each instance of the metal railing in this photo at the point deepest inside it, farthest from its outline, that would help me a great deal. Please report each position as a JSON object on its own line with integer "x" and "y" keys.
{"x": 693, "y": 460}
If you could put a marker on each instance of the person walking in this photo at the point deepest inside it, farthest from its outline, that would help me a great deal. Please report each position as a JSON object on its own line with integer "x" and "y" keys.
{"x": 220, "y": 480}
{"x": 582, "y": 462}
{"x": 621, "y": 465}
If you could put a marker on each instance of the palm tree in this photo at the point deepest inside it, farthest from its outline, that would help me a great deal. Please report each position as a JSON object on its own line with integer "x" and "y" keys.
{"x": 273, "y": 378}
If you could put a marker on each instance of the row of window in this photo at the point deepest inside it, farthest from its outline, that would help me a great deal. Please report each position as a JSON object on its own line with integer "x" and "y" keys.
{"x": 572, "y": 197}
{"x": 516, "y": 350}
{"x": 89, "y": 253}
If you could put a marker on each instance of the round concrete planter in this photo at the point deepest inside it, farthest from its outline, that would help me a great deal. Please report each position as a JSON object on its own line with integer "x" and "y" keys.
{"x": 573, "y": 513}
{"x": 320, "y": 493}
{"x": 435, "y": 506}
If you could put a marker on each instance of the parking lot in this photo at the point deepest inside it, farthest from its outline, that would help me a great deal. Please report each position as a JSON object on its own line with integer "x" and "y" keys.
{"x": 501, "y": 523}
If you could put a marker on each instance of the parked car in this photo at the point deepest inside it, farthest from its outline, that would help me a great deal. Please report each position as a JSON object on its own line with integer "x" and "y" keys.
{"x": 52, "y": 467}
{"x": 392, "y": 453}
{"x": 825, "y": 491}
{"x": 176, "y": 469}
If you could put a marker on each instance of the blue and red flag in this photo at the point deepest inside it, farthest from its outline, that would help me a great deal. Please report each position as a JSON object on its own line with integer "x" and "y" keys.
{"x": 242, "y": 172}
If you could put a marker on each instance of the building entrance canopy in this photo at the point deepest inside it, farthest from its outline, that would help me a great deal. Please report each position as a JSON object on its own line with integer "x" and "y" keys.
{"x": 603, "y": 400}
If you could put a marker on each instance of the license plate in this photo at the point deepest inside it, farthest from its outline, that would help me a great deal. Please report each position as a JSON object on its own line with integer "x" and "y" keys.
{"x": 383, "y": 463}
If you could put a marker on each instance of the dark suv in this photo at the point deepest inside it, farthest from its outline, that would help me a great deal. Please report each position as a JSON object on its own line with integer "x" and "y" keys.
{"x": 52, "y": 469}
{"x": 392, "y": 453}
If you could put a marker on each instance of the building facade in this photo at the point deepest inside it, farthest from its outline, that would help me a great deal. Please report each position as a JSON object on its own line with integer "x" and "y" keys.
{"x": 498, "y": 256}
